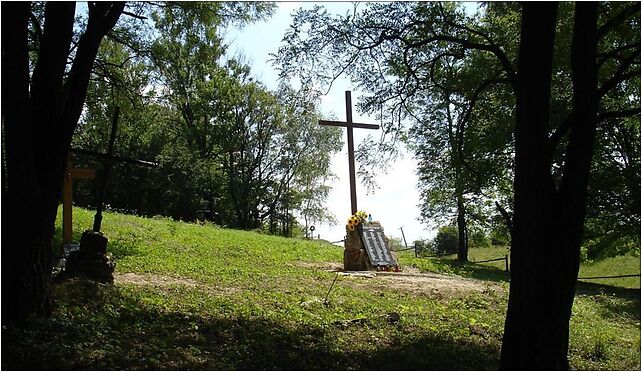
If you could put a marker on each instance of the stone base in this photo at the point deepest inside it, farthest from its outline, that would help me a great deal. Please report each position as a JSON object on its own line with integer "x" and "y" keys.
{"x": 93, "y": 242}
{"x": 91, "y": 260}
{"x": 99, "y": 267}
{"x": 354, "y": 256}
{"x": 354, "y": 260}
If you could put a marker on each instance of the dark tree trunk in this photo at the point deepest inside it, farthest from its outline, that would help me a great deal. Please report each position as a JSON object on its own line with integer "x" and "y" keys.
{"x": 38, "y": 122}
{"x": 25, "y": 273}
{"x": 462, "y": 244}
{"x": 548, "y": 221}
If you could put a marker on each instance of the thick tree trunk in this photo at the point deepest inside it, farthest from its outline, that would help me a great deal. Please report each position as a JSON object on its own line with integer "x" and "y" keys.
{"x": 38, "y": 122}
{"x": 462, "y": 244}
{"x": 29, "y": 210}
{"x": 533, "y": 322}
{"x": 547, "y": 224}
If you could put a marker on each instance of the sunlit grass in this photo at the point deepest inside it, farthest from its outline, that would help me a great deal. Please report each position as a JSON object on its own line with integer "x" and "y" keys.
{"x": 262, "y": 302}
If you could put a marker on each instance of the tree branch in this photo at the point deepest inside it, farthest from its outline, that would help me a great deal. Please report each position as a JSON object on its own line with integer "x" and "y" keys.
{"x": 618, "y": 19}
{"x": 617, "y": 78}
{"x": 507, "y": 218}
{"x": 134, "y": 15}
{"x": 102, "y": 18}
{"x": 618, "y": 114}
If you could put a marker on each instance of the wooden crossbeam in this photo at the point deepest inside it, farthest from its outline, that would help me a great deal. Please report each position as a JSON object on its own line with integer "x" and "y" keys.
{"x": 333, "y": 123}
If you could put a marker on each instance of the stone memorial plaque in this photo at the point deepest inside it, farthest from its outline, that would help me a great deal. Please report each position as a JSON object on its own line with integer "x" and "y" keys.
{"x": 375, "y": 243}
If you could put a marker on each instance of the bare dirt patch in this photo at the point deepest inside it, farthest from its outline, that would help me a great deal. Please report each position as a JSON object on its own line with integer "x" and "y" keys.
{"x": 326, "y": 266}
{"x": 411, "y": 280}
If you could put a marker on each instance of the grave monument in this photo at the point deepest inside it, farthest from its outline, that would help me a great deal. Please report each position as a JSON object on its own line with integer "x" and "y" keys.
{"x": 366, "y": 247}
{"x": 90, "y": 258}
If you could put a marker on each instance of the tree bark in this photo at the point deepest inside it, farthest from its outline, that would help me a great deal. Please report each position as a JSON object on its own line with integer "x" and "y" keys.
{"x": 462, "y": 244}
{"x": 548, "y": 222}
{"x": 25, "y": 280}
{"x": 38, "y": 123}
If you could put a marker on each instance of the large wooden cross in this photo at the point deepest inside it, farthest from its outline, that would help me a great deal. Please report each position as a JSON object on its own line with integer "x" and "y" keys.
{"x": 72, "y": 174}
{"x": 82, "y": 173}
{"x": 349, "y": 124}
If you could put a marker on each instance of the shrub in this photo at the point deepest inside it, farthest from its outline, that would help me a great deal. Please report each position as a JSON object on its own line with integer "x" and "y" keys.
{"x": 479, "y": 239}
{"x": 423, "y": 246}
{"x": 500, "y": 236}
{"x": 446, "y": 240}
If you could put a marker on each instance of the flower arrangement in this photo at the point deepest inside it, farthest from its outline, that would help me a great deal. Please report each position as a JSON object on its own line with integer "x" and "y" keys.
{"x": 356, "y": 219}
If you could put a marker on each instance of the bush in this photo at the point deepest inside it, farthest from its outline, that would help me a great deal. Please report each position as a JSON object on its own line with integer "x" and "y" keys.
{"x": 479, "y": 239}
{"x": 446, "y": 240}
{"x": 500, "y": 236}
{"x": 395, "y": 244}
{"x": 422, "y": 246}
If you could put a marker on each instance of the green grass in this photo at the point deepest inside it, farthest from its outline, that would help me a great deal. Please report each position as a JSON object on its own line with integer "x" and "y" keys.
{"x": 224, "y": 299}
{"x": 622, "y": 265}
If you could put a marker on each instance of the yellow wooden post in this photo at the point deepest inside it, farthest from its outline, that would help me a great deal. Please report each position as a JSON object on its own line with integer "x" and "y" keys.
{"x": 71, "y": 173}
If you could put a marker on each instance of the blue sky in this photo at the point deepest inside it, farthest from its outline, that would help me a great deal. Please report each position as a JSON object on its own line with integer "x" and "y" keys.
{"x": 394, "y": 204}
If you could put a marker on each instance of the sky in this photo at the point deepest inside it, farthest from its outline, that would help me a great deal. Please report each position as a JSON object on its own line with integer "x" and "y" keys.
{"x": 395, "y": 202}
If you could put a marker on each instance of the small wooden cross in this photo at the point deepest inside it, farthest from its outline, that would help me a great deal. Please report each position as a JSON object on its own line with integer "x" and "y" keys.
{"x": 349, "y": 124}
{"x": 70, "y": 175}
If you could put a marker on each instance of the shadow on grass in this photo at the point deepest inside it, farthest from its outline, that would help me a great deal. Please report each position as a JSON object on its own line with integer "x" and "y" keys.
{"x": 473, "y": 270}
{"x": 588, "y": 288}
{"x": 613, "y": 301}
{"x": 100, "y": 328}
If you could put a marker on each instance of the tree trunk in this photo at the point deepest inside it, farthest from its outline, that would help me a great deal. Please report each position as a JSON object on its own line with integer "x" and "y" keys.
{"x": 38, "y": 122}
{"x": 547, "y": 224}
{"x": 462, "y": 244}
{"x": 30, "y": 209}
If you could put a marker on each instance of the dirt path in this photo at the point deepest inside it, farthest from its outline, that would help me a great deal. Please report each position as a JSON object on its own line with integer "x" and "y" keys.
{"x": 411, "y": 280}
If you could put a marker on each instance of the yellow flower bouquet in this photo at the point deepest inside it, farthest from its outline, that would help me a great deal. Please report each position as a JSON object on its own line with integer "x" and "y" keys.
{"x": 356, "y": 219}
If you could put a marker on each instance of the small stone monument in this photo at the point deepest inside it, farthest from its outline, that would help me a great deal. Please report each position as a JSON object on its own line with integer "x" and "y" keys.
{"x": 366, "y": 247}
{"x": 91, "y": 261}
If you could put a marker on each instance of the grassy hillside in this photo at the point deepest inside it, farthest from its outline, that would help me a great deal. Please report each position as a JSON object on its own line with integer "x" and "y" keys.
{"x": 623, "y": 265}
{"x": 188, "y": 296}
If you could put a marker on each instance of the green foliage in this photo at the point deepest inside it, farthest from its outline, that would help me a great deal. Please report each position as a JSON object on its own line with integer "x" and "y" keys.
{"x": 613, "y": 217}
{"x": 396, "y": 244}
{"x": 499, "y": 233}
{"x": 444, "y": 80}
{"x": 228, "y": 150}
{"x": 446, "y": 240}
{"x": 478, "y": 238}
{"x": 422, "y": 246}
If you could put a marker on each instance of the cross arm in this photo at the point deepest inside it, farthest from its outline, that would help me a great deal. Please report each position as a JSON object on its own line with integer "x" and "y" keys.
{"x": 344, "y": 124}
{"x": 82, "y": 173}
